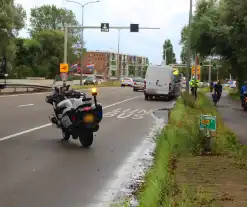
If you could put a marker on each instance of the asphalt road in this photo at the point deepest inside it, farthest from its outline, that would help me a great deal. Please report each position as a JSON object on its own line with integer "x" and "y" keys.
{"x": 37, "y": 169}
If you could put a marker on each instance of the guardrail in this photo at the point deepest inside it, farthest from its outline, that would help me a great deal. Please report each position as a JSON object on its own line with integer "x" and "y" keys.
{"x": 27, "y": 87}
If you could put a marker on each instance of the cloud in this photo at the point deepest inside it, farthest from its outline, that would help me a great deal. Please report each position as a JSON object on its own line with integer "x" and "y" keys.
{"x": 169, "y": 16}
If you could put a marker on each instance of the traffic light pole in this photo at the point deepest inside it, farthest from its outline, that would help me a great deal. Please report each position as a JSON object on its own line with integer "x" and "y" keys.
{"x": 92, "y": 27}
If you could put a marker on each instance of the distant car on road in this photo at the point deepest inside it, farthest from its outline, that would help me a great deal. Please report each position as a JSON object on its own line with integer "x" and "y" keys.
{"x": 138, "y": 84}
{"x": 127, "y": 82}
{"x": 90, "y": 81}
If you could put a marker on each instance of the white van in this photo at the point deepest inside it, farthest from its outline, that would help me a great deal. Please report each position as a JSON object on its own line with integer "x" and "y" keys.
{"x": 160, "y": 82}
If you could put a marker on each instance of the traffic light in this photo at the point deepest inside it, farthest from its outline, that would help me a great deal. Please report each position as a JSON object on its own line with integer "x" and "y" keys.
{"x": 134, "y": 27}
{"x": 214, "y": 66}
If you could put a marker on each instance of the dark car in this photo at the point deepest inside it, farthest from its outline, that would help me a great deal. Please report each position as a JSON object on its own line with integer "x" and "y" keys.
{"x": 90, "y": 81}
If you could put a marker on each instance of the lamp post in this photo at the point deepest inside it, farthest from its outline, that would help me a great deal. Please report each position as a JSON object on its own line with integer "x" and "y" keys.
{"x": 82, "y": 34}
{"x": 189, "y": 49}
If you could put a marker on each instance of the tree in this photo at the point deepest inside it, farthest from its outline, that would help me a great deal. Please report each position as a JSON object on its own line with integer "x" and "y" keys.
{"x": 51, "y": 55}
{"x": 12, "y": 20}
{"x": 49, "y": 17}
{"x": 168, "y": 53}
{"x": 183, "y": 43}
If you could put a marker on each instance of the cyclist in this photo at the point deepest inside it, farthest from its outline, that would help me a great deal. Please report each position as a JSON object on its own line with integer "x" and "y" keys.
{"x": 194, "y": 83}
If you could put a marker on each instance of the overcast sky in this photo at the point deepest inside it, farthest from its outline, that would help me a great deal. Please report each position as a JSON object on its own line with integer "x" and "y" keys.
{"x": 168, "y": 15}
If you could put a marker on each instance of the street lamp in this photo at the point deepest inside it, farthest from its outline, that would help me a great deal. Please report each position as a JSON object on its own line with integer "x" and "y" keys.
{"x": 82, "y": 23}
{"x": 118, "y": 56}
{"x": 188, "y": 48}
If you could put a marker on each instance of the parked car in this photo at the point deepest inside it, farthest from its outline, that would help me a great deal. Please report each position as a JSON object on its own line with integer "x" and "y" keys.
{"x": 138, "y": 84}
{"x": 90, "y": 80}
{"x": 127, "y": 82}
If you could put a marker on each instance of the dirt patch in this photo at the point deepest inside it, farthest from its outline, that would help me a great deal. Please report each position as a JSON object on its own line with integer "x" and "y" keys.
{"x": 210, "y": 181}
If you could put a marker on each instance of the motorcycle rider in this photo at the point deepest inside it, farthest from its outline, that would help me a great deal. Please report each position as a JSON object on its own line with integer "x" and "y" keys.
{"x": 194, "y": 83}
{"x": 211, "y": 86}
{"x": 242, "y": 91}
{"x": 218, "y": 89}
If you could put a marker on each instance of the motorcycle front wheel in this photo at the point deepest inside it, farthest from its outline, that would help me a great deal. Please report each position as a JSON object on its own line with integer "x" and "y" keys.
{"x": 86, "y": 138}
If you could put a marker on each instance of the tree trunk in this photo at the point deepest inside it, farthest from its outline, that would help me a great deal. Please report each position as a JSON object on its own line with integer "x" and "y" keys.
{"x": 239, "y": 70}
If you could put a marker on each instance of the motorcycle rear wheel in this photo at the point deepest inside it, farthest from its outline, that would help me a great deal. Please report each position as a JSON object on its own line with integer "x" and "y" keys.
{"x": 66, "y": 135}
{"x": 86, "y": 138}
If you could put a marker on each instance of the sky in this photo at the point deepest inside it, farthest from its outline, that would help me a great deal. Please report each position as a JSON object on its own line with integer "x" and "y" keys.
{"x": 169, "y": 16}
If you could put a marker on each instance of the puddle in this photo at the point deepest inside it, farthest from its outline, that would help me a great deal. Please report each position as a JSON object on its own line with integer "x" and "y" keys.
{"x": 130, "y": 187}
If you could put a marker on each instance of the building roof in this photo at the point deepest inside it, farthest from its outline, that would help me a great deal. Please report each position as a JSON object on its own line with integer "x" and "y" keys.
{"x": 109, "y": 51}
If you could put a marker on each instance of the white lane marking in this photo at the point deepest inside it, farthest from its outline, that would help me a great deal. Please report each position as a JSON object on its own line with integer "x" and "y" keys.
{"x": 46, "y": 125}
{"x": 24, "y": 132}
{"x": 25, "y": 105}
{"x": 114, "y": 104}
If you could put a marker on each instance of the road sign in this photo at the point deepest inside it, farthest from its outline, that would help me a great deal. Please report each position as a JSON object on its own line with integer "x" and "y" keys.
{"x": 64, "y": 68}
{"x": 198, "y": 70}
{"x": 214, "y": 66}
{"x": 104, "y": 27}
{"x": 64, "y": 76}
{"x": 208, "y": 122}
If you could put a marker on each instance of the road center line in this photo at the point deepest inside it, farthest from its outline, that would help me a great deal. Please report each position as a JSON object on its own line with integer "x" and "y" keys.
{"x": 49, "y": 124}
{"x": 25, "y": 105}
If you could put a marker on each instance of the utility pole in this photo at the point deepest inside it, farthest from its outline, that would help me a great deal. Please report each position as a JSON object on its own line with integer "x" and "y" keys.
{"x": 189, "y": 48}
{"x": 82, "y": 32}
{"x": 104, "y": 28}
{"x": 118, "y": 55}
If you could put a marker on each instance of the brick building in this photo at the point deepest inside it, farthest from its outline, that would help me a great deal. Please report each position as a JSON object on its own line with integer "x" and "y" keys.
{"x": 105, "y": 63}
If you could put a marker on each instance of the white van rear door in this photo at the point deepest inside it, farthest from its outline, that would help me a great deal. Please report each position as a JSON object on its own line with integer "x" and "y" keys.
{"x": 158, "y": 81}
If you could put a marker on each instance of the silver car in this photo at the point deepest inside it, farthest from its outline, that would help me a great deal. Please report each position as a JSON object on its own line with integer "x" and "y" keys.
{"x": 138, "y": 84}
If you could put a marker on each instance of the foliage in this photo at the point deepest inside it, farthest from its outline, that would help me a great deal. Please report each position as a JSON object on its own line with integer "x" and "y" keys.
{"x": 41, "y": 54}
{"x": 49, "y": 17}
{"x": 12, "y": 20}
{"x": 183, "y": 43}
{"x": 219, "y": 29}
{"x": 170, "y": 55}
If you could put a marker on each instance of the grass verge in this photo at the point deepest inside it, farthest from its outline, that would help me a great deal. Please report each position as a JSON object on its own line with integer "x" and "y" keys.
{"x": 107, "y": 84}
{"x": 181, "y": 176}
{"x": 234, "y": 94}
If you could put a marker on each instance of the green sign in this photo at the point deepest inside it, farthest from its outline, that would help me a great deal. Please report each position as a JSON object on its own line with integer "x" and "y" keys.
{"x": 208, "y": 122}
{"x": 214, "y": 66}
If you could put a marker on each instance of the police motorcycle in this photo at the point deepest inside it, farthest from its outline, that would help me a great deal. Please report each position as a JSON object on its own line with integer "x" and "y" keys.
{"x": 75, "y": 114}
